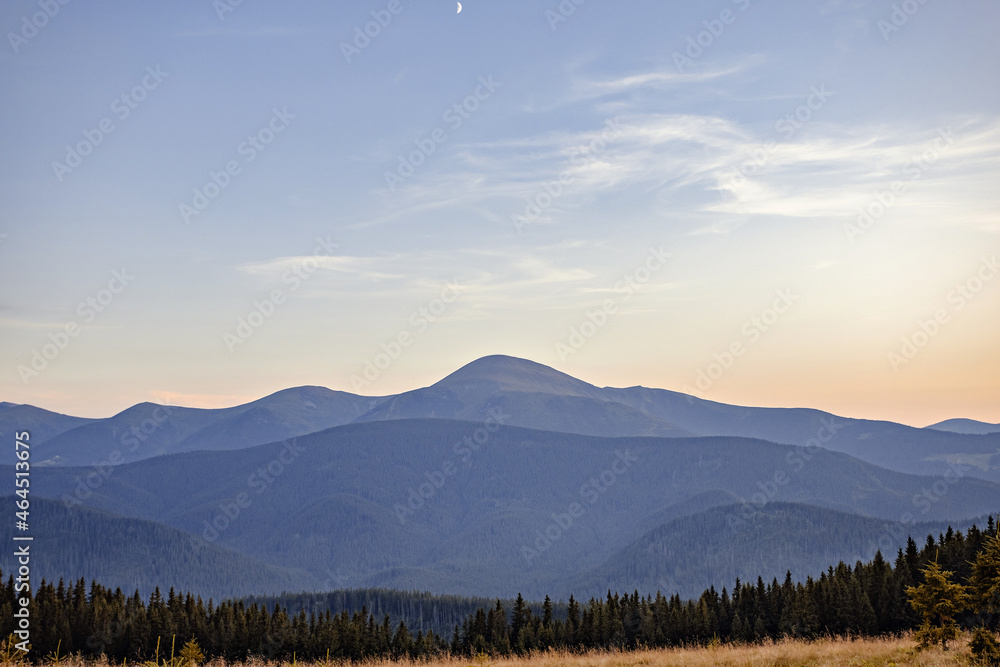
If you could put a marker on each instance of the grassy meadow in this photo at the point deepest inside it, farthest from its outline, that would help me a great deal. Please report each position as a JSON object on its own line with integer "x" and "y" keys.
{"x": 880, "y": 652}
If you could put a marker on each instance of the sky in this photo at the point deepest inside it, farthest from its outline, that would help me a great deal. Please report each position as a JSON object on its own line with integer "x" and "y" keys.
{"x": 763, "y": 203}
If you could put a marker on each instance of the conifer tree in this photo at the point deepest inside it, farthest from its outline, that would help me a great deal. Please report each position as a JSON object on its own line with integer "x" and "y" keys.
{"x": 985, "y": 647}
{"x": 402, "y": 642}
{"x": 191, "y": 655}
{"x": 939, "y": 600}
{"x": 572, "y": 620}
{"x": 985, "y": 582}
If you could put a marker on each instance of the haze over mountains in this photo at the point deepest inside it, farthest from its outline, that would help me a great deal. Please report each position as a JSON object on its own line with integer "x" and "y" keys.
{"x": 505, "y": 476}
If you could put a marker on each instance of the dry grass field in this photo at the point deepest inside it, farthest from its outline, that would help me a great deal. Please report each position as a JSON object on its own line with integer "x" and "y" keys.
{"x": 868, "y": 653}
{"x": 862, "y": 652}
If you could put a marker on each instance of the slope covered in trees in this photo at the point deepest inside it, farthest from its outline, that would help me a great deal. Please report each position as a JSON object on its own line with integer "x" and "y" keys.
{"x": 134, "y": 554}
{"x": 745, "y": 541}
{"x": 861, "y": 600}
{"x": 458, "y": 519}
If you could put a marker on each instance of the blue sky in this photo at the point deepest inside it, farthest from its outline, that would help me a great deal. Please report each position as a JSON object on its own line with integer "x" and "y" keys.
{"x": 583, "y": 185}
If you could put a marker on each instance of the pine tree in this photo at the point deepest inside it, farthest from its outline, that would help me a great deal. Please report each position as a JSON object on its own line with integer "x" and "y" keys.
{"x": 985, "y": 647}
{"x": 939, "y": 600}
{"x": 191, "y": 655}
{"x": 546, "y": 631}
{"x": 520, "y": 625}
{"x": 572, "y": 620}
{"x": 402, "y": 642}
{"x": 985, "y": 581}
{"x": 498, "y": 636}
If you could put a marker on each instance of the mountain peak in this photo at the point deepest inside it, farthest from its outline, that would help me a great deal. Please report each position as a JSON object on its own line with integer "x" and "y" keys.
{"x": 516, "y": 374}
{"x": 965, "y": 426}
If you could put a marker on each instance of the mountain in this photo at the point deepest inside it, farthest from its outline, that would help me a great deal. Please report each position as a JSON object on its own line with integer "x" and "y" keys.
{"x": 526, "y": 394}
{"x": 42, "y": 424}
{"x": 520, "y": 393}
{"x": 131, "y": 554}
{"x": 457, "y": 507}
{"x": 149, "y": 429}
{"x": 716, "y": 546}
{"x": 536, "y": 396}
{"x": 967, "y": 426}
{"x": 886, "y": 444}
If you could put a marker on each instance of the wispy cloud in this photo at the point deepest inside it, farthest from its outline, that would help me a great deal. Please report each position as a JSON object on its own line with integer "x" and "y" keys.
{"x": 359, "y": 268}
{"x": 827, "y": 170}
{"x": 587, "y": 89}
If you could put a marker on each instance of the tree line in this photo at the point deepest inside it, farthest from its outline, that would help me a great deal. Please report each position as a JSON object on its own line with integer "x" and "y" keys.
{"x": 865, "y": 599}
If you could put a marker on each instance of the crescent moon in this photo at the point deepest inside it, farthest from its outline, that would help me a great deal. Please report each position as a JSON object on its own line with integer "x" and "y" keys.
{"x": 459, "y": 8}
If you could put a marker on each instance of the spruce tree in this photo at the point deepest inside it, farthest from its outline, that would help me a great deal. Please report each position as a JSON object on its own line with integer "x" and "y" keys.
{"x": 939, "y": 600}
{"x": 985, "y": 648}
{"x": 985, "y": 582}
{"x": 402, "y": 642}
{"x": 572, "y": 620}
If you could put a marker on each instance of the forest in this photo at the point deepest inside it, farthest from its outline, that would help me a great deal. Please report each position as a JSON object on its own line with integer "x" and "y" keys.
{"x": 866, "y": 599}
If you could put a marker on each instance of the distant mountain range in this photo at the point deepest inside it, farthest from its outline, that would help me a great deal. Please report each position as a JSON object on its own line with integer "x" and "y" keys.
{"x": 148, "y": 429}
{"x": 530, "y": 394}
{"x": 504, "y": 477}
{"x": 967, "y": 426}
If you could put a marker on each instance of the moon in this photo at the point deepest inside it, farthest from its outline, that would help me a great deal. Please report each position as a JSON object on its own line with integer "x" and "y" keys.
{"x": 459, "y": 8}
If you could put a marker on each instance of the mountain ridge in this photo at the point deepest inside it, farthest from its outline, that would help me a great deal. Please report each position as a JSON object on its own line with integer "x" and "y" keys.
{"x": 965, "y": 426}
{"x": 532, "y": 395}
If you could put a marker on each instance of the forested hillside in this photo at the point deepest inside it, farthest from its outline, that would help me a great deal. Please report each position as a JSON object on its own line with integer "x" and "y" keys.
{"x": 732, "y": 542}
{"x": 863, "y": 599}
{"x": 489, "y": 521}
{"x": 134, "y": 554}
